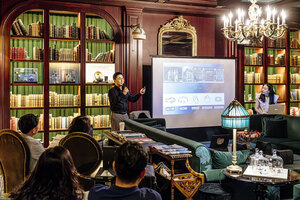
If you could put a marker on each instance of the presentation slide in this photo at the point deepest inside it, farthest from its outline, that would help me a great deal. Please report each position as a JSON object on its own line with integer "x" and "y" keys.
{"x": 192, "y": 92}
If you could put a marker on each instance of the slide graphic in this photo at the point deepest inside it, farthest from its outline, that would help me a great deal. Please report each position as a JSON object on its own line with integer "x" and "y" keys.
{"x": 192, "y": 87}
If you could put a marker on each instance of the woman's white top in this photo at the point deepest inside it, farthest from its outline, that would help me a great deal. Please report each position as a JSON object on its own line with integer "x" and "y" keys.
{"x": 265, "y": 105}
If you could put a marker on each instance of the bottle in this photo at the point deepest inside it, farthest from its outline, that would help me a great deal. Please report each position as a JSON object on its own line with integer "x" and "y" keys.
{"x": 254, "y": 159}
{"x": 276, "y": 161}
{"x": 262, "y": 163}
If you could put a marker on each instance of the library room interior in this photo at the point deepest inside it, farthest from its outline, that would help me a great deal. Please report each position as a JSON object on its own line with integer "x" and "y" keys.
{"x": 149, "y": 99}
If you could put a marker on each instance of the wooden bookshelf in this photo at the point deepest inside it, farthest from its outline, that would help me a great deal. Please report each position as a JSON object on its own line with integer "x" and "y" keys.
{"x": 101, "y": 41}
{"x": 25, "y": 108}
{"x": 24, "y": 84}
{"x": 26, "y": 37}
{"x": 102, "y": 106}
{"x": 65, "y": 39}
{"x": 63, "y": 107}
{"x": 26, "y": 60}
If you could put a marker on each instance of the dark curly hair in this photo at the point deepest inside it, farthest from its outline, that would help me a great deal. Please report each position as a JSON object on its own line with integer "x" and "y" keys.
{"x": 130, "y": 161}
{"x": 262, "y": 97}
{"x": 80, "y": 124}
{"x": 53, "y": 178}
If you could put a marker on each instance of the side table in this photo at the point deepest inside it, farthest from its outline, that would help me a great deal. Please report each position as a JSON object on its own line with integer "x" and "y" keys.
{"x": 261, "y": 183}
{"x": 186, "y": 183}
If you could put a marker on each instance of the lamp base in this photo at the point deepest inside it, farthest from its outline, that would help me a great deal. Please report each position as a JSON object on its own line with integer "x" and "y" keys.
{"x": 234, "y": 169}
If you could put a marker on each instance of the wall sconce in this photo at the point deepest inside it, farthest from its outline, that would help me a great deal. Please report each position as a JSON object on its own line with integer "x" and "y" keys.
{"x": 138, "y": 32}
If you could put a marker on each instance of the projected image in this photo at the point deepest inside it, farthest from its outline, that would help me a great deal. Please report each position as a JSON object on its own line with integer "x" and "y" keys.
{"x": 194, "y": 89}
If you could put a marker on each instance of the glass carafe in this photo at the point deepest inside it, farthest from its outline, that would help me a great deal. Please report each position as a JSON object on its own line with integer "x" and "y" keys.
{"x": 276, "y": 161}
{"x": 254, "y": 159}
{"x": 262, "y": 163}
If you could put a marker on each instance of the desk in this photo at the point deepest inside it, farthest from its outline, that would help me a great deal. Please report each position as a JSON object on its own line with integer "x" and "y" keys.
{"x": 187, "y": 183}
{"x": 261, "y": 183}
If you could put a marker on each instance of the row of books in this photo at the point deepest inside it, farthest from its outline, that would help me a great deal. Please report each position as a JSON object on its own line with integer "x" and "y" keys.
{"x": 102, "y": 57}
{"x": 295, "y": 78}
{"x": 294, "y": 111}
{"x": 57, "y": 100}
{"x": 276, "y": 60}
{"x": 34, "y": 29}
{"x": 38, "y": 53}
{"x": 254, "y": 59}
{"x": 294, "y": 39}
{"x": 65, "y": 31}
{"x": 295, "y": 94}
{"x": 275, "y": 78}
{"x": 294, "y": 60}
{"x": 95, "y": 99}
{"x": 18, "y": 53}
{"x": 92, "y": 32}
{"x": 171, "y": 149}
{"x": 60, "y": 122}
{"x": 252, "y": 77}
{"x": 100, "y": 121}
{"x": 31, "y": 100}
{"x": 278, "y": 43}
{"x": 13, "y": 123}
{"x": 64, "y": 54}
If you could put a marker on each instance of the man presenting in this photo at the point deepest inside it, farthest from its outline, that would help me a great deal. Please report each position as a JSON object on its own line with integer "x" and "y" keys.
{"x": 118, "y": 96}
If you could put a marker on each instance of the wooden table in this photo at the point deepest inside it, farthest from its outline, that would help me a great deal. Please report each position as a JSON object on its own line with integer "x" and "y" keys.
{"x": 186, "y": 183}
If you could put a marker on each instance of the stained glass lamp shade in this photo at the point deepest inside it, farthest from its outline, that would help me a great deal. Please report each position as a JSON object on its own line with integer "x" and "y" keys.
{"x": 236, "y": 117}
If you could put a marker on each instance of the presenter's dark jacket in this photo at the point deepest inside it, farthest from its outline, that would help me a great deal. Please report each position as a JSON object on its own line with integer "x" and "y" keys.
{"x": 118, "y": 101}
{"x": 102, "y": 192}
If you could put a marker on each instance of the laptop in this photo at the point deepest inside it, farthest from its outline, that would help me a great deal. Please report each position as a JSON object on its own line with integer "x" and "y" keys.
{"x": 276, "y": 109}
{"x": 219, "y": 142}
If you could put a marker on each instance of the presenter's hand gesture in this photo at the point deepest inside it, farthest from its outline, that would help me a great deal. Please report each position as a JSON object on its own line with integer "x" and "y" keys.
{"x": 125, "y": 91}
{"x": 142, "y": 91}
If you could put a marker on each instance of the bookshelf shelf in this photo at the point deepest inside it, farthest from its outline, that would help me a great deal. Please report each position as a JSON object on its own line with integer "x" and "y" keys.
{"x": 100, "y": 84}
{"x": 295, "y": 84}
{"x": 279, "y": 48}
{"x": 276, "y": 65}
{"x": 63, "y": 84}
{"x": 24, "y": 84}
{"x": 57, "y": 130}
{"x": 295, "y": 66}
{"x": 101, "y": 41}
{"x": 26, "y": 60}
{"x": 98, "y": 62}
{"x": 295, "y": 49}
{"x": 25, "y": 108}
{"x": 61, "y": 61}
{"x": 295, "y": 101}
{"x": 26, "y": 37}
{"x": 253, "y": 83}
{"x": 102, "y": 128}
{"x": 253, "y": 65}
{"x": 249, "y": 102}
{"x": 278, "y": 83}
{"x": 65, "y": 39}
{"x": 253, "y": 47}
{"x": 63, "y": 107}
{"x": 102, "y": 106}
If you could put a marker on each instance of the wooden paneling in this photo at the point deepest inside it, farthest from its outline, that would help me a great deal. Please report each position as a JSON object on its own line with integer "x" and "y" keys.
{"x": 205, "y": 27}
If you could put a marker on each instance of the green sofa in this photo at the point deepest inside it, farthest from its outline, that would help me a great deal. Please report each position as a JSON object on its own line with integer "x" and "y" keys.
{"x": 201, "y": 161}
{"x": 288, "y": 128}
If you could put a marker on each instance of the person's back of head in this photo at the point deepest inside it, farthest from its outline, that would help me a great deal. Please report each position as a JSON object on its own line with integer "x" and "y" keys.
{"x": 28, "y": 122}
{"x": 130, "y": 161}
{"x": 54, "y": 177}
{"x": 80, "y": 124}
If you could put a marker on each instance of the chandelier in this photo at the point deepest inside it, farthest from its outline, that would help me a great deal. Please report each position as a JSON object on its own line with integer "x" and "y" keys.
{"x": 255, "y": 27}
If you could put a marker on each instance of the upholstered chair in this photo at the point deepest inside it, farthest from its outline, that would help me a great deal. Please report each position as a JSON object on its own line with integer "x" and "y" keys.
{"x": 15, "y": 156}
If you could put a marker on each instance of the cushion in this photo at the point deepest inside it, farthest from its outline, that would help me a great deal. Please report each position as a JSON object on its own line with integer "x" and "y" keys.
{"x": 222, "y": 159}
{"x": 150, "y": 123}
{"x": 276, "y": 128}
{"x": 160, "y": 127}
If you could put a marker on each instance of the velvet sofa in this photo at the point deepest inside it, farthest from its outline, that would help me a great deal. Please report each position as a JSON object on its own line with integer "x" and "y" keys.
{"x": 203, "y": 159}
{"x": 282, "y": 131}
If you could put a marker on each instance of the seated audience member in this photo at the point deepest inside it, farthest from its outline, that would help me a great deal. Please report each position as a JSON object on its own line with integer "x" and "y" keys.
{"x": 28, "y": 125}
{"x": 266, "y": 98}
{"x": 80, "y": 124}
{"x": 130, "y": 167}
{"x": 53, "y": 178}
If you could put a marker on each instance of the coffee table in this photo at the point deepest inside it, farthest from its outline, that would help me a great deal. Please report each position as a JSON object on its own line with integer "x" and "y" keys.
{"x": 261, "y": 183}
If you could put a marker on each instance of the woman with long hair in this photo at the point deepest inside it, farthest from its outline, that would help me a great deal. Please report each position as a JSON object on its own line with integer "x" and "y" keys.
{"x": 266, "y": 98}
{"x": 53, "y": 178}
{"x": 80, "y": 124}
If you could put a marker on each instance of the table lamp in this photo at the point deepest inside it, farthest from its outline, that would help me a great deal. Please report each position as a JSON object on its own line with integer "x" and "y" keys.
{"x": 235, "y": 117}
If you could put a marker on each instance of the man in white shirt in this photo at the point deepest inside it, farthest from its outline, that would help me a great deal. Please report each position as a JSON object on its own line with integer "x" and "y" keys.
{"x": 28, "y": 124}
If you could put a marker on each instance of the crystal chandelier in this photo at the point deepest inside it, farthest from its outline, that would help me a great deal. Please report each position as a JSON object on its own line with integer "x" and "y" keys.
{"x": 255, "y": 28}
